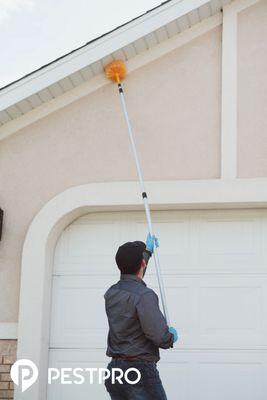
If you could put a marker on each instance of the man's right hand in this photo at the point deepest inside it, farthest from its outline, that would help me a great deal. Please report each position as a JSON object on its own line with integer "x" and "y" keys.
{"x": 173, "y": 331}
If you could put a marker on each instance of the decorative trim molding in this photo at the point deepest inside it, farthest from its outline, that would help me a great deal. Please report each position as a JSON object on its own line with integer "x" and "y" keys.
{"x": 229, "y": 87}
{"x": 99, "y": 81}
{"x": 8, "y": 330}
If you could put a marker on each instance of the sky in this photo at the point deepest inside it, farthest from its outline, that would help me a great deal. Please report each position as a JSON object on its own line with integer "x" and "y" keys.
{"x": 35, "y": 32}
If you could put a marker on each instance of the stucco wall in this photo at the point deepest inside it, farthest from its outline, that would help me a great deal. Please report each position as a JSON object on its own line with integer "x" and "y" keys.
{"x": 252, "y": 91}
{"x": 174, "y": 106}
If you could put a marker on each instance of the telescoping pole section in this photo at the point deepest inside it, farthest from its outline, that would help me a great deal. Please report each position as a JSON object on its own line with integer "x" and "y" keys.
{"x": 145, "y": 200}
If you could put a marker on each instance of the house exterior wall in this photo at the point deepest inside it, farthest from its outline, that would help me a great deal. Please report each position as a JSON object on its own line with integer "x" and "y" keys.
{"x": 175, "y": 100}
{"x": 252, "y": 91}
{"x": 174, "y": 105}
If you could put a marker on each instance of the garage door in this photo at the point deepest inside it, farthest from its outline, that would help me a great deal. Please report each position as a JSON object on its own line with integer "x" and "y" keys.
{"x": 214, "y": 265}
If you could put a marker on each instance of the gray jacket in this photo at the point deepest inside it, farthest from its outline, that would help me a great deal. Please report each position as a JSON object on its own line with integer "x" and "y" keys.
{"x": 137, "y": 327}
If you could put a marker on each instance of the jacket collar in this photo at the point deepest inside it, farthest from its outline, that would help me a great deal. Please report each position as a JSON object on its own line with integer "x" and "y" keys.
{"x": 130, "y": 277}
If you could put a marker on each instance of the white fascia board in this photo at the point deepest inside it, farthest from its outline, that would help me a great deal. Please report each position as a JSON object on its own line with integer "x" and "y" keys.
{"x": 96, "y": 50}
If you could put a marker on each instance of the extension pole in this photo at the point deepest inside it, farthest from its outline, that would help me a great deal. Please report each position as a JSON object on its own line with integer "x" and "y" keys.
{"x": 141, "y": 180}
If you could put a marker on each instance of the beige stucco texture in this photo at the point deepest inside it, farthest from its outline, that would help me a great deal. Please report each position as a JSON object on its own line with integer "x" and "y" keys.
{"x": 252, "y": 91}
{"x": 174, "y": 105}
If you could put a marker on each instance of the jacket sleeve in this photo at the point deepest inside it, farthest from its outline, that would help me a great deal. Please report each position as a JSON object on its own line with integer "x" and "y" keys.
{"x": 152, "y": 320}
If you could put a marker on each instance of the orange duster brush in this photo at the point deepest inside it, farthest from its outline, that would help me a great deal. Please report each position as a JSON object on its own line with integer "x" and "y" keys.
{"x": 116, "y": 71}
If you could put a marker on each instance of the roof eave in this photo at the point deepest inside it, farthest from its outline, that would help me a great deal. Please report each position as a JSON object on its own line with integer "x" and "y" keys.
{"x": 96, "y": 50}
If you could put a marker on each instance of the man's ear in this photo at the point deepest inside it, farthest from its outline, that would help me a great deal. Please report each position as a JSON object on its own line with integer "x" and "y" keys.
{"x": 143, "y": 264}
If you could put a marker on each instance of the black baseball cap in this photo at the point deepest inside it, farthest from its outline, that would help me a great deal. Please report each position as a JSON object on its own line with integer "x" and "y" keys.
{"x": 129, "y": 257}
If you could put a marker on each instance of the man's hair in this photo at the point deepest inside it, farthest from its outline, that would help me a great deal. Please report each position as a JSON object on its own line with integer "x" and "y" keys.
{"x": 129, "y": 257}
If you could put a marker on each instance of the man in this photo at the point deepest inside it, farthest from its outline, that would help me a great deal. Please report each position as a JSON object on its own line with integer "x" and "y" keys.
{"x": 137, "y": 328}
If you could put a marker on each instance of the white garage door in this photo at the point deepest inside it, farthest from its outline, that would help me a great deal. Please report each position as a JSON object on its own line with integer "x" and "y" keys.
{"x": 214, "y": 265}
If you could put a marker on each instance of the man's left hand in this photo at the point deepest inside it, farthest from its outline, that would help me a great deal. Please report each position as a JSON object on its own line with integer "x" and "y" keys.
{"x": 151, "y": 242}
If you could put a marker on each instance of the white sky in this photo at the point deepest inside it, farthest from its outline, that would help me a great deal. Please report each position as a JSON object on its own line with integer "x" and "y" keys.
{"x": 35, "y": 32}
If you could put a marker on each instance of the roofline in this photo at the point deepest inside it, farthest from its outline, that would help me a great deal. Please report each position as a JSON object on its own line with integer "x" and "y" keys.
{"x": 95, "y": 50}
{"x": 99, "y": 81}
{"x": 82, "y": 46}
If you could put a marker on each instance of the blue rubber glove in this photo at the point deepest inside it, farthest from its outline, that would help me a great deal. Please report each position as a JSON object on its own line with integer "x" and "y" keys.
{"x": 173, "y": 331}
{"x": 151, "y": 242}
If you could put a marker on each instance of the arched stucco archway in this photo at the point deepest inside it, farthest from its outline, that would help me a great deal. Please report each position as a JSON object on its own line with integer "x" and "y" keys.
{"x": 60, "y": 211}
{"x": 37, "y": 264}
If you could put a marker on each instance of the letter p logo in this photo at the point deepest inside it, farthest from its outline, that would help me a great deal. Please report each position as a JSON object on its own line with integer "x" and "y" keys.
{"x": 25, "y": 373}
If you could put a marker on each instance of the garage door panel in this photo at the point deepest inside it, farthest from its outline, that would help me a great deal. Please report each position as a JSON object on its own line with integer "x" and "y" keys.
{"x": 230, "y": 308}
{"x": 201, "y": 243}
{"x": 229, "y": 237}
{"x": 176, "y": 376}
{"x": 88, "y": 251}
{"x": 78, "y": 313}
{"x": 218, "y": 311}
{"x": 178, "y": 230}
{"x": 214, "y": 266}
{"x": 210, "y": 374}
{"x": 232, "y": 244}
{"x": 181, "y": 309}
{"x": 174, "y": 254}
{"x": 231, "y": 379}
{"x": 77, "y": 359}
